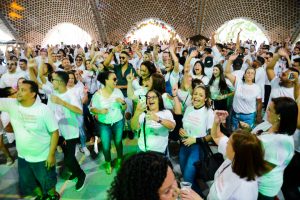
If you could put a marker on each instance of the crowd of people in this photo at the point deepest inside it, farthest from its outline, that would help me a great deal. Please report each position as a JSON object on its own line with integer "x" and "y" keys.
{"x": 242, "y": 97}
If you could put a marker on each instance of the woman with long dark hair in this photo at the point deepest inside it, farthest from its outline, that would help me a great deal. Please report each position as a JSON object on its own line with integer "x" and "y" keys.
{"x": 220, "y": 88}
{"x": 197, "y": 120}
{"x": 278, "y": 144}
{"x": 108, "y": 105}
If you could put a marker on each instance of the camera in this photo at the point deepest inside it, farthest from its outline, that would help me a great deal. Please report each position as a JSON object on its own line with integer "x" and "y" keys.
{"x": 291, "y": 76}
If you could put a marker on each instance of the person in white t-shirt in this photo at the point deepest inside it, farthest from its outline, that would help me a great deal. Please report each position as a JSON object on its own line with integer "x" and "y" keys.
{"x": 10, "y": 78}
{"x": 66, "y": 108}
{"x": 154, "y": 123}
{"x": 80, "y": 92}
{"x": 7, "y": 92}
{"x": 247, "y": 101}
{"x": 36, "y": 132}
{"x": 291, "y": 176}
{"x": 236, "y": 178}
{"x": 197, "y": 71}
{"x": 234, "y": 181}
{"x": 220, "y": 88}
{"x": 108, "y": 105}
{"x": 278, "y": 144}
{"x": 197, "y": 121}
{"x": 284, "y": 85}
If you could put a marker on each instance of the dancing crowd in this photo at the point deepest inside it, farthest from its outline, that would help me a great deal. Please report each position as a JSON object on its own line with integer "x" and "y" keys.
{"x": 241, "y": 97}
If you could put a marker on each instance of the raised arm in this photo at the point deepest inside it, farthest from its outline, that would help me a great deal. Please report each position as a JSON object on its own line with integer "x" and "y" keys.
{"x": 238, "y": 42}
{"x": 155, "y": 53}
{"x": 130, "y": 90}
{"x": 135, "y": 125}
{"x": 177, "y": 104}
{"x": 270, "y": 67}
{"x": 220, "y": 117}
{"x": 187, "y": 65}
{"x": 213, "y": 40}
{"x": 107, "y": 61}
{"x": 173, "y": 55}
{"x": 228, "y": 73}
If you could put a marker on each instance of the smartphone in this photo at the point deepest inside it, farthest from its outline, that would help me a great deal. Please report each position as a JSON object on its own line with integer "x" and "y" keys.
{"x": 143, "y": 102}
{"x": 291, "y": 76}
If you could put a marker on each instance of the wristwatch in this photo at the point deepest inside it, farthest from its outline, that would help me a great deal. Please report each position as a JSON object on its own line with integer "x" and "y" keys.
{"x": 159, "y": 120}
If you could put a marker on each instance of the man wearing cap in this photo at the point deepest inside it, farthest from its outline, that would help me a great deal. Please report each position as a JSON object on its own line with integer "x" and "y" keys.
{"x": 208, "y": 62}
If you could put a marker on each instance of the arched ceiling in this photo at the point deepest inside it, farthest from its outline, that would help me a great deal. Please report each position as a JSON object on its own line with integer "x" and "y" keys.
{"x": 110, "y": 20}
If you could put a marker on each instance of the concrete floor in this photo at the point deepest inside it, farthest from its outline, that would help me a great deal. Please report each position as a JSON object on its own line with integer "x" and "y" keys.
{"x": 96, "y": 185}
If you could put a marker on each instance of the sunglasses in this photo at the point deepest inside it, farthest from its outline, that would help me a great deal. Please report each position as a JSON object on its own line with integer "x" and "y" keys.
{"x": 114, "y": 79}
{"x": 122, "y": 58}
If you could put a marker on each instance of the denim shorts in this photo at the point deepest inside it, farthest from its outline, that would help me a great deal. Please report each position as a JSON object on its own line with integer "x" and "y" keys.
{"x": 33, "y": 175}
{"x": 247, "y": 118}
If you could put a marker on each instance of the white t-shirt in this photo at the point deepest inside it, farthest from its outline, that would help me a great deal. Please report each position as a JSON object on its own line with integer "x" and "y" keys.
{"x": 173, "y": 76}
{"x": 279, "y": 150}
{"x": 196, "y": 122}
{"x": 168, "y": 103}
{"x": 204, "y": 79}
{"x": 67, "y": 119}
{"x": 185, "y": 98}
{"x": 217, "y": 55}
{"x": 238, "y": 74}
{"x": 114, "y": 108}
{"x": 227, "y": 184}
{"x": 32, "y": 127}
{"x": 89, "y": 78}
{"x": 215, "y": 89}
{"x": 156, "y": 133}
{"x": 10, "y": 80}
{"x": 279, "y": 91}
{"x": 4, "y": 117}
{"x": 260, "y": 79}
{"x": 244, "y": 100}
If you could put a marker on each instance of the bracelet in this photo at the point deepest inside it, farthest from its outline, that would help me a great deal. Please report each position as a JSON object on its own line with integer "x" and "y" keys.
{"x": 174, "y": 96}
{"x": 124, "y": 103}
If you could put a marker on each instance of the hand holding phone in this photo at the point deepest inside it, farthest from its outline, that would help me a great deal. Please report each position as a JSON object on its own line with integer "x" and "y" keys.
{"x": 291, "y": 76}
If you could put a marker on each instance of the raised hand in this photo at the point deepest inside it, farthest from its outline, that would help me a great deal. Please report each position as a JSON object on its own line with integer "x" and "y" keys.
{"x": 233, "y": 57}
{"x": 194, "y": 53}
{"x": 175, "y": 90}
{"x": 283, "y": 53}
{"x": 130, "y": 76}
{"x": 220, "y": 116}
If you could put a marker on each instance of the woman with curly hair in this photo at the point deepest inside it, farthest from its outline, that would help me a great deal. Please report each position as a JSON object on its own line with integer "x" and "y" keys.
{"x": 144, "y": 176}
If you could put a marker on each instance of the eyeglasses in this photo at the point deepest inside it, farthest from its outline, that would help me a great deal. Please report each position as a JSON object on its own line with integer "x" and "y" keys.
{"x": 122, "y": 58}
{"x": 153, "y": 97}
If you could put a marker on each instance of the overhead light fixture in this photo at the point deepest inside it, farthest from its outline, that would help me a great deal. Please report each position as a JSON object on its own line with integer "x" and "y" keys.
{"x": 16, "y": 6}
{"x": 15, "y": 15}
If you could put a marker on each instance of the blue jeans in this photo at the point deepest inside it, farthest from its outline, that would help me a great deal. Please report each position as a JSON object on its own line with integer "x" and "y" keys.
{"x": 247, "y": 118}
{"x": 82, "y": 135}
{"x": 187, "y": 157}
{"x": 33, "y": 175}
{"x": 108, "y": 131}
